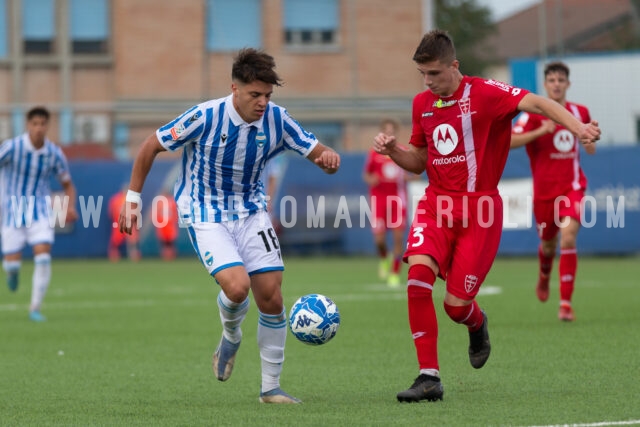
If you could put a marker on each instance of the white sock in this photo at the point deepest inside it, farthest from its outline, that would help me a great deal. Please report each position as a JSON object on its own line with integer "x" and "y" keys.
{"x": 41, "y": 279}
{"x": 232, "y": 314}
{"x": 272, "y": 334}
{"x": 11, "y": 266}
{"x": 432, "y": 372}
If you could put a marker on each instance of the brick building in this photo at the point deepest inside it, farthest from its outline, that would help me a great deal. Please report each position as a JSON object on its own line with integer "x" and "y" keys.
{"x": 112, "y": 71}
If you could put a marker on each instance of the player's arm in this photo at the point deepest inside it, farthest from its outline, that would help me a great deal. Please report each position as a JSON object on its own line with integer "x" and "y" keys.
{"x": 587, "y": 133}
{"x": 70, "y": 193}
{"x": 325, "y": 158}
{"x": 141, "y": 167}
{"x": 370, "y": 179}
{"x": 520, "y": 139}
{"x": 412, "y": 159}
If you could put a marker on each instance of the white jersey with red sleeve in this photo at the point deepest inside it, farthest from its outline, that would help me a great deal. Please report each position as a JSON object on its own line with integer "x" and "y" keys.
{"x": 467, "y": 134}
{"x": 554, "y": 157}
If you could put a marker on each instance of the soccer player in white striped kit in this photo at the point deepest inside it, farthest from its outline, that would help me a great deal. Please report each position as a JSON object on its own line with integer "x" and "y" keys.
{"x": 226, "y": 143}
{"x": 28, "y": 161}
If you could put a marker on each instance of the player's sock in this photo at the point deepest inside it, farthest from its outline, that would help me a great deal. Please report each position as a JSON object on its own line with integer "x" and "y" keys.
{"x": 382, "y": 252}
{"x": 272, "y": 334}
{"x": 546, "y": 263}
{"x": 40, "y": 280}
{"x": 12, "y": 268}
{"x": 397, "y": 263}
{"x": 232, "y": 314}
{"x": 567, "y": 270}
{"x": 422, "y": 315}
{"x": 469, "y": 315}
{"x": 383, "y": 262}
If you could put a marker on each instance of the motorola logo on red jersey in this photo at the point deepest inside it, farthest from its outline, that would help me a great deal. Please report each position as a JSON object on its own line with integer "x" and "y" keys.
{"x": 445, "y": 140}
{"x": 563, "y": 140}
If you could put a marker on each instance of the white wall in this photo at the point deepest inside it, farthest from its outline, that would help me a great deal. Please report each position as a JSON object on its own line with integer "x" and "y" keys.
{"x": 609, "y": 85}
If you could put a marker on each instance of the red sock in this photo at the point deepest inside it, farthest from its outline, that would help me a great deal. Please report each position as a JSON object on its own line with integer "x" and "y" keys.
{"x": 397, "y": 262}
{"x": 382, "y": 252}
{"x": 568, "y": 268}
{"x": 546, "y": 262}
{"x": 469, "y": 315}
{"x": 422, "y": 315}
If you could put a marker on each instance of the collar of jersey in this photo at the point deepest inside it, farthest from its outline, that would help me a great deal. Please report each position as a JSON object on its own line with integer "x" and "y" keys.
{"x": 29, "y": 145}
{"x": 235, "y": 117}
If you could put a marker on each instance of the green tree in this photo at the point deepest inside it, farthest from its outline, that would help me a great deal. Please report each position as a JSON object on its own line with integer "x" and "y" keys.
{"x": 469, "y": 24}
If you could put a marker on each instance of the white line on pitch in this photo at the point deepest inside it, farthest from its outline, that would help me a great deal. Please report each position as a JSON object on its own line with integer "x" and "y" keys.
{"x": 598, "y": 424}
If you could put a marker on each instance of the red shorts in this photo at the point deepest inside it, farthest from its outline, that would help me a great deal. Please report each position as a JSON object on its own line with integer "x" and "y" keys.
{"x": 389, "y": 213}
{"x": 549, "y": 213}
{"x": 168, "y": 233}
{"x": 462, "y": 234}
{"x": 117, "y": 238}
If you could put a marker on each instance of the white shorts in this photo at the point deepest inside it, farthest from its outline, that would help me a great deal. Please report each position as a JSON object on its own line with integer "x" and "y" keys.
{"x": 14, "y": 238}
{"x": 250, "y": 242}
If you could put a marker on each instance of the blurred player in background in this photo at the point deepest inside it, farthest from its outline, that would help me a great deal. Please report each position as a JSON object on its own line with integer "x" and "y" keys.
{"x": 118, "y": 239}
{"x": 271, "y": 178}
{"x": 558, "y": 185}
{"x": 166, "y": 225}
{"x": 28, "y": 162}
{"x": 388, "y": 201}
{"x": 461, "y": 136}
{"x": 226, "y": 143}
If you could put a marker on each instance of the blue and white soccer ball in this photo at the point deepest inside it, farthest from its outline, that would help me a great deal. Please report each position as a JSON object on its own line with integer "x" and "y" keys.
{"x": 314, "y": 319}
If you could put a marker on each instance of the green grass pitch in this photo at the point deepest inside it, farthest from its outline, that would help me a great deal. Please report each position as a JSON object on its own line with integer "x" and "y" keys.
{"x": 130, "y": 345}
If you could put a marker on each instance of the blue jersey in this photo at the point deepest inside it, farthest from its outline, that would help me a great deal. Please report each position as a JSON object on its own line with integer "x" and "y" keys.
{"x": 26, "y": 174}
{"x": 224, "y": 156}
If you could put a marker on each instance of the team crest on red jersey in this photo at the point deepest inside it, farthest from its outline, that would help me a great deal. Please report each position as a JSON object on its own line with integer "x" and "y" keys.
{"x": 470, "y": 282}
{"x": 465, "y": 107}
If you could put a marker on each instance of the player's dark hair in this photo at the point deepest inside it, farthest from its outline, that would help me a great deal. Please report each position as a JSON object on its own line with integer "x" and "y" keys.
{"x": 389, "y": 121}
{"x": 436, "y": 45}
{"x": 556, "y": 67}
{"x": 38, "y": 112}
{"x": 252, "y": 64}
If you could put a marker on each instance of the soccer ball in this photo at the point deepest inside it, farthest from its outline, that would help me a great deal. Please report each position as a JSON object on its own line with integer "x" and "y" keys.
{"x": 314, "y": 319}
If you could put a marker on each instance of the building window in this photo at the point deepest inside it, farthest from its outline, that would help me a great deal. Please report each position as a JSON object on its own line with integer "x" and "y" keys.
{"x": 328, "y": 133}
{"x": 311, "y": 22}
{"x": 38, "y": 26}
{"x": 4, "y": 30}
{"x": 233, "y": 24}
{"x": 89, "y": 26}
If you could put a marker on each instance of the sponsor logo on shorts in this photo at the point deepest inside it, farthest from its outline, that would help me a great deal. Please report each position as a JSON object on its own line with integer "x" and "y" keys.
{"x": 208, "y": 258}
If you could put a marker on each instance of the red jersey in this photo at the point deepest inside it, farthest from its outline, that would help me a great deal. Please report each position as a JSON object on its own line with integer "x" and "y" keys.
{"x": 467, "y": 134}
{"x": 554, "y": 157}
{"x": 391, "y": 177}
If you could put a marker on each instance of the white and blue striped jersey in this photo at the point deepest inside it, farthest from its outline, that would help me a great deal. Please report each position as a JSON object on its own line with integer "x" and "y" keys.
{"x": 26, "y": 175}
{"x": 224, "y": 156}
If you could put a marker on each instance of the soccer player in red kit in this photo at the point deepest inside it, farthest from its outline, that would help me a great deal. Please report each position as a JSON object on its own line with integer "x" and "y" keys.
{"x": 461, "y": 136}
{"x": 388, "y": 201}
{"x": 558, "y": 185}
